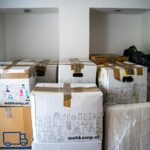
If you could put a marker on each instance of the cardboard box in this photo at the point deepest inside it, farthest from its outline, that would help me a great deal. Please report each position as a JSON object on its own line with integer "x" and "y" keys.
{"x": 127, "y": 127}
{"x": 68, "y": 146}
{"x": 67, "y": 113}
{"x": 16, "y": 84}
{"x": 15, "y": 128}
{"x": 123, "y": 83}
{"x": 77, "y": 71}
{"x": 46, "y": 71}
{"x": 26, "y": 63}
{"x": 103, "y": 58}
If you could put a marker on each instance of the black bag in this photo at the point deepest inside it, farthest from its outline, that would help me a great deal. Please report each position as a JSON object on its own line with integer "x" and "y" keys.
{"x": 137, "y": 57}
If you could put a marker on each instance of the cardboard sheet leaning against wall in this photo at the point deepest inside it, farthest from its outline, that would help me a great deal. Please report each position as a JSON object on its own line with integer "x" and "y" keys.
{"x": 15, "y": 128}
{"x": 127, "y": 127}
{"x": 16, "y": 83}
{"x": 123, "y": 82}
{"x": 77, "y": 71}
{"x": 67, "y": 113}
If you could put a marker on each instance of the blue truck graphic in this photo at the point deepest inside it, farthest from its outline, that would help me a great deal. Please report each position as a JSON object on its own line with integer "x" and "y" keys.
{"x": 8, "y": 139}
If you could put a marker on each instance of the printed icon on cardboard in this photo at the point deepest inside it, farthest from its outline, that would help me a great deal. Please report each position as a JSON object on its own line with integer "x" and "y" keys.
{"x": 14, "y": 139}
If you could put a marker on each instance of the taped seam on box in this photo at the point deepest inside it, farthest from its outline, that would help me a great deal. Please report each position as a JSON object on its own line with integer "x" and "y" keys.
{"x": 8, "y": 112}
{"x": 67, "y": 95}
{"x": 76, "y": 65}
{"x": 116, "y": 71}
{"x": 67, "y": 91}
{"x": 138, "y": 69}
{"x": 13, "y": 64}
{"x": 27, "y": 74}
{"x": 129, "y": 70}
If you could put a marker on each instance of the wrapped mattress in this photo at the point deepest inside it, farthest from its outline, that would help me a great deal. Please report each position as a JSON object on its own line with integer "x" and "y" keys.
{"x": 127, "y": 127}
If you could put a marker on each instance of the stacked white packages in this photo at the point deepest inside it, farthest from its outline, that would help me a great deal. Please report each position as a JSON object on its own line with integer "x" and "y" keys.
{"x": 64, "y": 114}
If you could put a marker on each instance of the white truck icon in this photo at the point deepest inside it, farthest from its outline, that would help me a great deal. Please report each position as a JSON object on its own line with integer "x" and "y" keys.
{"x": 14, "y": 138}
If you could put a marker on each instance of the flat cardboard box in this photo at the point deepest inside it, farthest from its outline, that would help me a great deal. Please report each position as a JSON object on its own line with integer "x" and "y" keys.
{"x": 15, "y": 128}
{"x": 46, "y": 71}
{"x": 68, "y": 146}
{"x": 103, "y": 58}
{"x": 16, "y": 83}
{"x": 67, "y": 114}
{"x": 77, "y": 71}
{"x": 110, "y": 80}
{"x": 127, "y": 127}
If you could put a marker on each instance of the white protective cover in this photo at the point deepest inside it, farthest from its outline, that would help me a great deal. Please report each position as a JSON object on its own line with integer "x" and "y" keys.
{"x": 16, "y": 91}
{"x": 55, "y": 123}
{"x": 65, "y": 74}
{"x": 118, "y": 92}
{"x": 127, "y": 127}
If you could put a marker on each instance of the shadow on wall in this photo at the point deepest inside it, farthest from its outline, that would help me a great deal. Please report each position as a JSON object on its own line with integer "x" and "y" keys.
{"x": 98, "y": 31}
{"x": 112, "y": 32}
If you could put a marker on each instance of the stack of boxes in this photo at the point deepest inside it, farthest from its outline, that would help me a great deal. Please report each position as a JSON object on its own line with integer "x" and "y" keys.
{"x": 68, "y": 114}
{"x": 16, "y": 82}
{"x": 67, "y": 106}
{"x": 126, "y": 112}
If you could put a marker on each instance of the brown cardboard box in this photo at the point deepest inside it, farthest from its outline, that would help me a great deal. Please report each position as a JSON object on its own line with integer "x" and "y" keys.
{"x": 15, "y": 127}
{"x": 103, "y": 58}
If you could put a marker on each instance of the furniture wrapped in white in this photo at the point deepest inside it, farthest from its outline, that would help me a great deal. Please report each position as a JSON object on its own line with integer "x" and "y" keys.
{"x": 127, "y": 127}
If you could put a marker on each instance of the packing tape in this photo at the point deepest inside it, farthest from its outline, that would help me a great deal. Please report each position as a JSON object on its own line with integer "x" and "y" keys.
{"x": 41, "y": 67}
{"x": 138, "y": 69}
{"x": 67, "y": 90}
{"x": 128, "y": 69}
{"x": 67, "y": 95}
{"x": 116, "y": 71}
{"x": 8, "y": 112}
{"x": 76, "y": 65}
{"x": 13, "y": 64}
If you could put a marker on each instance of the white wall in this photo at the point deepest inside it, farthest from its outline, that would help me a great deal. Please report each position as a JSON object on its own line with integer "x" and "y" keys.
{"x": 112, "y": 33}
{"x": 145, "y": 33}
{"x": 74, "y": 30}
{"x": 74, "y": 20}
{"x": 33, "y": 36}
{"x": 2, "y": 44}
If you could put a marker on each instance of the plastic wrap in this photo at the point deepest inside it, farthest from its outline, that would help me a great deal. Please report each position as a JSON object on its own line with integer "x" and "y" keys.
{"x": 127, "y": 127}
